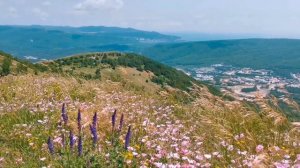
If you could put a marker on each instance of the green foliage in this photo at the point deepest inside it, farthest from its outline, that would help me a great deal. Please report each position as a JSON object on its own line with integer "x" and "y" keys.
{"x": 253, "y": 53}
{"x": 247, "y": 90}
{"x": 35, "y": 67}
{"x": 163, "y": 74}
{"x": 6, "y": 66}
{"x": 21, "y": 68}
{"x": 98, "y": 74}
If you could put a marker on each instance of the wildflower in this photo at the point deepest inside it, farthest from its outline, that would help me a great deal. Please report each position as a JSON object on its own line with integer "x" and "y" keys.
{"x": 42, "y": 159}
{"x": 63, "y": 141}
{"x": 113, "y": 119}
{"x": 127, "y": 139}
{"x": 95, "y": 120}
{"x": 298, "y": 158}
{"x": 259, "y": 148}
{"x": 207, "y": 156}
{"x": 121, "y": 122}
{"x": 185, "y": 143}
{"x": 80, "y": 146}
{"x": 50, "y": 146}
{"x": 79, "y": 120}
{"x": 64, "y": 113}
{"x": 230, "y": 148}
{"x": 94, "y": 134}
{"x": 28, "y": 135}
{"x": 72, "y": 141}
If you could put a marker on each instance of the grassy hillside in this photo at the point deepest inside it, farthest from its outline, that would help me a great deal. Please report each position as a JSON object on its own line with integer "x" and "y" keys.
{"x": 280, "y": 55}
{"x": 50, "y": 42}
{"x": 164, "y": 131}
{"x": 12, "y": 65}
{"x": 86, "y": 65}
{"x": 65, "y": 117}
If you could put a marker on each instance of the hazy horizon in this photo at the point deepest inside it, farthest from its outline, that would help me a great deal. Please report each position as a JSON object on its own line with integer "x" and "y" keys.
{"x": 271, "y": 18}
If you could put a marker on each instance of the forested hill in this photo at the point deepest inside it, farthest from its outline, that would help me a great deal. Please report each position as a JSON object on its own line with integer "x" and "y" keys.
{"x": 280, "y": 55}
{"x": 50, "y": 42}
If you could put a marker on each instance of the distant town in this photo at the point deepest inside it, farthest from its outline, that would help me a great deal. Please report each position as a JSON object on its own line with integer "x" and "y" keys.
{"x": 246, "y": 83}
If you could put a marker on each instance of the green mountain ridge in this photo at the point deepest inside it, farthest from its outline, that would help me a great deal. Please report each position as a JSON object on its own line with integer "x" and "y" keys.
{"x": 279, "y": 55}
{"x": 50, "y": 42}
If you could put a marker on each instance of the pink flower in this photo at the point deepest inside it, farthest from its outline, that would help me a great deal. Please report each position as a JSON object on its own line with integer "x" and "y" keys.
{"x": 259, "y": 148}
{"x": 184, "y": 151}
{"x": 185, "y": 143}
{"x": 298, "y": 157}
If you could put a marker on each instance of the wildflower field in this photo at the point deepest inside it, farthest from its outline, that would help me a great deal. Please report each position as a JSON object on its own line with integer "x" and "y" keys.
{"x": 134, "y": 112}
{"x": 53, "y": 121}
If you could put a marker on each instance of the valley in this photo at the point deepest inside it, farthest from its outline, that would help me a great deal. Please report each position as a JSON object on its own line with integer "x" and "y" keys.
{"x": 250, "y": 84}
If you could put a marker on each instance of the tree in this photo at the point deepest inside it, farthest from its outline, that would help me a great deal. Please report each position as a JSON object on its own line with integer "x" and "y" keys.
{"x": 98, "y": 74}
{"x": 21, "y": 68}
{"x": 6, "y": 66}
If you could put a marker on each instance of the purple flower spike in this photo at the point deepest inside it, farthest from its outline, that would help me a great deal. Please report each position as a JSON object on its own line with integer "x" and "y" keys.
{"x": 72, "y": 141}
{"x": 50, "y": 146}
{"x": 79, "y": 120}
{"x": 95, "y": 120}
{"x": 94, "y": 134}
{"x": 113, "y": 119}
{"x": 63, "y": 140}
{"x": 80, "y": 146}
{"x": 121, "y": 122}
{"x": 64, "y": 114}
{"x": 127, "y": 138}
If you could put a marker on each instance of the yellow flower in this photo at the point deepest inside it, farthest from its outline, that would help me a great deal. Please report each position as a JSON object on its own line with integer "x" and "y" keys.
{"x": 137, "y": 147}
{"x": 128, "y": 156}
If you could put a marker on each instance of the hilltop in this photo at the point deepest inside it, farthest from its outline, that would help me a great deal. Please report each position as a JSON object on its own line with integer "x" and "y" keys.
{"x": 169, "y": 119}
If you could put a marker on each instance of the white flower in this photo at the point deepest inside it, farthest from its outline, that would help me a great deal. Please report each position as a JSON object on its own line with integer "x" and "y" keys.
{"x": 230, "y": 148}
{"x": 28, "y": 135}
{"x": 207, "y": 156}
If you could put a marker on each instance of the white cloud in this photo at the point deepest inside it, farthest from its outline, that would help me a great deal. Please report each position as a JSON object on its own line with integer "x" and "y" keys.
{"x": 87, "y": 5}
{"x": 13, "y": 11}
{"x": 46, "y": 3}
{"x": 41, "y": 14}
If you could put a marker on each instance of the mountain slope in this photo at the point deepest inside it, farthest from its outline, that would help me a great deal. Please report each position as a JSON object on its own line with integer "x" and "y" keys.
{"x": 280, "y": 55}
{"x": 40, "y": 126}
{"x": 50, "y": 42}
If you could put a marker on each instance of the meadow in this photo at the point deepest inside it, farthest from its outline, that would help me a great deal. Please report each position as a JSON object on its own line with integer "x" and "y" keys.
{"x": 39, "y": 127}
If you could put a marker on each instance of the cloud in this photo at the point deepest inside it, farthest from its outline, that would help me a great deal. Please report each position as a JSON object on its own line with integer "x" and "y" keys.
{"x": 88, "y": 5}
{"x": 13, "y": 12}
{"x": 46, "y": 3}
{"x": 41, "y": 14}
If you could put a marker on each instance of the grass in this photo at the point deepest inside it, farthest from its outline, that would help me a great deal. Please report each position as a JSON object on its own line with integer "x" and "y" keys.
{"x": 208, "y": 132}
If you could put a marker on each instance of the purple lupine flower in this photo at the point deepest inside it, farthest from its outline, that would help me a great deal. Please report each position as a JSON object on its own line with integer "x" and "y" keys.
{"x": 127, "y": 138}
{"x": 113, "y": 119}
{"x": 63, "y": 140}
{"x": 72, "y": 141}
{"x": 79, "y": 120}
{"x": 94, "y": 134}
{"x": 64, "y": 114}
{"x": 95, "y": 120}
{"x": 80, "y": 146}
{"x": 50, "y": 146}
{"x": 121, "y": 122}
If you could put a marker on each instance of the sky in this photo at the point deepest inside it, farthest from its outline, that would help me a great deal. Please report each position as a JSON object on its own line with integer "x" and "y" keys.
{"x": 278, "y": 18}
